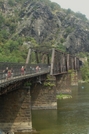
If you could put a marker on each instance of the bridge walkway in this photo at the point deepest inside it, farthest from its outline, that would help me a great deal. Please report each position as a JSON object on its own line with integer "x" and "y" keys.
{"x": 17, "y": 75}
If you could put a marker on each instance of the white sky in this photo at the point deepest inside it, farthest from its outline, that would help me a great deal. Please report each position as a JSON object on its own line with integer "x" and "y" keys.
{"x": 81, "y": 6}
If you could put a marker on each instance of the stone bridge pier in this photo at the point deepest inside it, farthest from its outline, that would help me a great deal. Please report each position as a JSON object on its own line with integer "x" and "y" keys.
{"x": 63, "y": 83}
{"x": 43, "y": 97}
{"x": 15, "y": 111}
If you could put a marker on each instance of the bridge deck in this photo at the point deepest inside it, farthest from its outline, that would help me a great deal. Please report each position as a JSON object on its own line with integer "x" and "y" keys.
{"x": 4, "y": 82}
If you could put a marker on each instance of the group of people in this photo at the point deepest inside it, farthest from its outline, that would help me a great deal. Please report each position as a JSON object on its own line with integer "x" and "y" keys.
{"x": 23, "y": 69}
{"x": 8, "y": 73}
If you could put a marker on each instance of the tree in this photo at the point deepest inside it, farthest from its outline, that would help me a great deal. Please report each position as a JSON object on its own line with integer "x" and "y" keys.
{"x": 81, "y": 16}
{"x": 1, "y": 20}
{"x": 85, "y": 71}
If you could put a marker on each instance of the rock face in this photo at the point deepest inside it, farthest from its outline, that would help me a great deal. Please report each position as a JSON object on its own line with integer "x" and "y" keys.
{"x": 40, "y": 22}
{"x": 49, "y": 26}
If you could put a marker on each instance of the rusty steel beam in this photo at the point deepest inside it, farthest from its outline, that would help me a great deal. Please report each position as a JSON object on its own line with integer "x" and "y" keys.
{"x": 77, "y": 62}
{"x": 67, "y": 62}
{"x": 74, "y": 63}
{"x": 48, "y": 61}
{"x": 37, "y": 59}
{"x": 52, "y": 61}
{"x": 28, "y": 56}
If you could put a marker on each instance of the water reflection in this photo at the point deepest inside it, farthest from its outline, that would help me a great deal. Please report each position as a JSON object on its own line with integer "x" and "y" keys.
{"x": 72, "y": 116}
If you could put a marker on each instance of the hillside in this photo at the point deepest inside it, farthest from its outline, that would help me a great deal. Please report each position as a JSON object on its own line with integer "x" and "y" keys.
{"x": 40, "y": 23}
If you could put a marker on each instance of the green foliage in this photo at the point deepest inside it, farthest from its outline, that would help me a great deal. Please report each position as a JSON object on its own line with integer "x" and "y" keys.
{"x": 61, "y": 47}
{"x": 49, "y": 84}
{"x": 85, "y": 71}
{"x": 20, "y": 1}
{"x": 13, "y": 51}
{"x": 69, "y": 30}
{"x": 55, "y": 6}
{"x": 63, "y": 96}
{"x": 82, "y": 54}
{"x": 69, "y": 11}
{"x": 27, "y": 84}
{"x": 12, "y": 27}
{"x": 81, "y": 16}
{"x": 1, "y": 2}
{"x": 3, "y": 35}
{"x": 48, "y": 77}
{"x": 1, "y": 20}
{"x": 72, "y": 73}
{"x": 12, "y": 45}
{"x": 62, "y": 40}
{"x": 47, "y": 2}
{"x": 19, "y": 40}
{"x": 69, "y": 71}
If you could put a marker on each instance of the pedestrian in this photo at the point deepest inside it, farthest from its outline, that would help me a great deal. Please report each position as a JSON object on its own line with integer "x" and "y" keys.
{"x": 22, "y": 70}
{"x": 37, "y": 68}
{"x": 9, "y": 74}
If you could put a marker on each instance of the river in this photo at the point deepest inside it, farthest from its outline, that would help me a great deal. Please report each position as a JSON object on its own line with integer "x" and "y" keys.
{"x": 71, "y": 117}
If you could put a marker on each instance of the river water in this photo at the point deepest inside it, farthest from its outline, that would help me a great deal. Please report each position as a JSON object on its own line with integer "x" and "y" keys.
{"x": 71, "y": 117}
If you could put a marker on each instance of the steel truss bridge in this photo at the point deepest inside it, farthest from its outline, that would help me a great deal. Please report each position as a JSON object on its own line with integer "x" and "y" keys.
{"x": 51, "y": 61}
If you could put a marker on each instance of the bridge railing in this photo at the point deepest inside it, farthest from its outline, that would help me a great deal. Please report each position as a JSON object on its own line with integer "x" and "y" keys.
{"x": 15, "y": 70}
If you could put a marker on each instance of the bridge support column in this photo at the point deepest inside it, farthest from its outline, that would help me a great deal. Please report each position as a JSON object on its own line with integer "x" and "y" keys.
{"x": 74, "y": 78}
{"x": 63, "y": 83}
{"x": 15, "y": 111}
{"x": 43, "y": 97}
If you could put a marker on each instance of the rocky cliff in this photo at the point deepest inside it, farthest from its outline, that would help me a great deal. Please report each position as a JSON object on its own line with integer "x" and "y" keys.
{"x": 47, "y": 23}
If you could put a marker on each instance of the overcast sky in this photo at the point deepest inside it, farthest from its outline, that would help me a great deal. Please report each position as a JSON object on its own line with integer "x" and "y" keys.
{"x": 81, "y": 6}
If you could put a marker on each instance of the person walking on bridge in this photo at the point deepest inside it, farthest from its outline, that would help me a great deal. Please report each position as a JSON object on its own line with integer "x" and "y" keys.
{"x": 22, "y": 70}
{"x": 37, "y": 68}
{"x": 9, "y": 74}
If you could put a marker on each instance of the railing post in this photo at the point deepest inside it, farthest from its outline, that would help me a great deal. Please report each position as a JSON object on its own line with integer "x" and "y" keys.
{"x": 52, "y": 61}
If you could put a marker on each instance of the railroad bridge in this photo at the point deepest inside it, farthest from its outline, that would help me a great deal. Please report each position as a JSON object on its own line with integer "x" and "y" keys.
{"x": 21, "y": 93}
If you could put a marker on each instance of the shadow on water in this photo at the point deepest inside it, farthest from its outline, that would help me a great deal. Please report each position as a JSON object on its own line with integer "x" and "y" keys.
{"x": 72, "y": 116}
